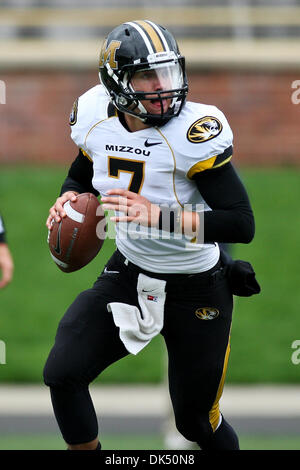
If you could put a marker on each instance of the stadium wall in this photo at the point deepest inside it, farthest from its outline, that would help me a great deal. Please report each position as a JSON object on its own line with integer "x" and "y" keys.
{"x": 258, "y": 104}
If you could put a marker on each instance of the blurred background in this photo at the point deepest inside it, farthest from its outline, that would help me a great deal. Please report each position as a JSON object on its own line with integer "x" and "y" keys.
{"x": 242, "y": 56}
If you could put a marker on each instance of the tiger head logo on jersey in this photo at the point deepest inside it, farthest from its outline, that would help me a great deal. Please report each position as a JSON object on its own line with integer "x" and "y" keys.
{"x": 204, "y": 129}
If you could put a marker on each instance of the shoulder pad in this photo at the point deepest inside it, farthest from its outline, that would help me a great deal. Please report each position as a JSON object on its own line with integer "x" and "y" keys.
{"x": 201, "y": 138}
{"x": 87, "y": 110}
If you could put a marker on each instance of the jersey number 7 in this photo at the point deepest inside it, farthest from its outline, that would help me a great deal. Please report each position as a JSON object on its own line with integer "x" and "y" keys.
{"x": 135, "y": 167}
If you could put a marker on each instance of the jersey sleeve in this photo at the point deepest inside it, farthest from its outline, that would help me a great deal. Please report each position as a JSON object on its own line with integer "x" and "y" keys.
{"x": 86, "y": 111}
{"x": 209, "y": 142}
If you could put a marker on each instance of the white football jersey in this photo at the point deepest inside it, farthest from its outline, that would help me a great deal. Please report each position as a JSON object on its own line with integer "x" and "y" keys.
{"x": 158, "y": 163}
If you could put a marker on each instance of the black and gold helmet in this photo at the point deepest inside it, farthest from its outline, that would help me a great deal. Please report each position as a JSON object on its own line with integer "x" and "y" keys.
{"x": 143, "y": 46}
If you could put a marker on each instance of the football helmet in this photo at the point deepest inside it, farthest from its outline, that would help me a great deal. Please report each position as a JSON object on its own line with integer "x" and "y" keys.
{"x": 137, "y": 51}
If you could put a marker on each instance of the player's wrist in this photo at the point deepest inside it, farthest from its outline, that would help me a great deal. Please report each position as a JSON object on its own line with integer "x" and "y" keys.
{"x": 190, "y": 223}
{"x": 176, "y": 220}
{"x": 170, "y": 219}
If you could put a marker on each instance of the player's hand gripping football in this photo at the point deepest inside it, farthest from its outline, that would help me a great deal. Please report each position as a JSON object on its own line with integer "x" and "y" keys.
{"x": 135, "y": 207}
{"x": 56, "y": 212}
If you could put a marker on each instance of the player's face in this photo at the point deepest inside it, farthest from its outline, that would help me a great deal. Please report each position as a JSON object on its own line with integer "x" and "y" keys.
{"x": 153, "y": 80}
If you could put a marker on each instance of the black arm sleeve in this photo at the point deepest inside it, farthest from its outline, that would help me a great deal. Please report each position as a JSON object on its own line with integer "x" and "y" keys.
{"x": 231, "y": 219}
{"x": 80, "y": 176}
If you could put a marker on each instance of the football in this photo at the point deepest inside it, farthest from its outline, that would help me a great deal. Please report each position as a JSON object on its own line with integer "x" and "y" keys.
{"x": 78, "y": 237}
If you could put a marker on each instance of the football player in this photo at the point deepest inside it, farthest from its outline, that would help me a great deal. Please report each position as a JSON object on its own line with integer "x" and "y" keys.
{"x": 6, "y": 260}
{"x": 163, "y": 164}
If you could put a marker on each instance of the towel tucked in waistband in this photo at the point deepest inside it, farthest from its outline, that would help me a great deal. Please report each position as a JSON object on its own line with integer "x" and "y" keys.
{"x": 139, "y": 325}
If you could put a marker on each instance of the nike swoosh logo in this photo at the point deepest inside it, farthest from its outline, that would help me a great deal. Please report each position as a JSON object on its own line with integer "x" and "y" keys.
{"x": 150, "y": 144}
{"x": 57, "y": 248}
{"x": 115, "y": 272}
{"x": 143, "y": 290}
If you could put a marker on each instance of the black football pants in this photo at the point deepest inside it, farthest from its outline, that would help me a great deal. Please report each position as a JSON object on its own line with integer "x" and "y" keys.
{"x": 196, "y": 330}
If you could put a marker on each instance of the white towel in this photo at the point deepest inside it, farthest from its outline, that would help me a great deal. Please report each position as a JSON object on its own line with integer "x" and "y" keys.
{"x": 139, "y": 326}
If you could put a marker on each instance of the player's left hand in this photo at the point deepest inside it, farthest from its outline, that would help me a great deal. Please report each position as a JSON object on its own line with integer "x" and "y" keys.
{"x": 135, "y": 207}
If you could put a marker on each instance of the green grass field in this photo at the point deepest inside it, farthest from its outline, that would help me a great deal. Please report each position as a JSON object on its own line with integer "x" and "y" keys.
{"x": 264, "y": 326}
{"x": 141, "y": 442}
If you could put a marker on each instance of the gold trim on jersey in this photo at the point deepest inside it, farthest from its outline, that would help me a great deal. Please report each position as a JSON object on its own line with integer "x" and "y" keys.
{"x": 95, "y": 125}
{"x": 155, "y": 39}
{"x": 223, "y": 162}
{"x": 174, "y": 171}
{"x": 86, "y": 154}
{"x": 205, "y": 165}
{"x": 201, "y": 166}
{"x": 214, "y": 413}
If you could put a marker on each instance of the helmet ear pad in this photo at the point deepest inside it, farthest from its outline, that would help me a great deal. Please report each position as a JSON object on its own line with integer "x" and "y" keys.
{"x": 118, "y": 92}
{"x": 123, "y": 53}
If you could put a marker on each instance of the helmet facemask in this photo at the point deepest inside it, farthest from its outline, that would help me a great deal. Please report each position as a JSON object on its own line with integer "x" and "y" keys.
{"x": 159, "y": 80}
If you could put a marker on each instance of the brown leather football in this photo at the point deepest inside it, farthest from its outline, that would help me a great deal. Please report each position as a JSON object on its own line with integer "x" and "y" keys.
{"x": 78, "y": 237}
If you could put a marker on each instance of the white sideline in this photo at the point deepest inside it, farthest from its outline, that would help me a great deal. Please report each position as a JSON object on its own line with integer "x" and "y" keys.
{"x": 125, "y": 400}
